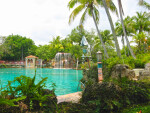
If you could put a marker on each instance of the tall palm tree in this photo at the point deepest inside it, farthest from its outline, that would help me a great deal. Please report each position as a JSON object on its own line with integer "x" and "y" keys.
{"x": 106, "y": 5}
{"x": 119, "y": 32}
{"x": 144, "y": 4}
{"x": 124, "y": 31}
{"x": 91, "y": 10}
{"x": 128, "y": 24}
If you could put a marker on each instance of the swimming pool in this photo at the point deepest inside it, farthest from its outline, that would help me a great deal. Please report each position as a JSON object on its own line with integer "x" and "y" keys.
{"x": 66, "y": 80}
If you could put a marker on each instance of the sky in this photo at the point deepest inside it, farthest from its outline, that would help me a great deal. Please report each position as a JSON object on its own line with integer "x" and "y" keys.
{"x": 41, "y": 20}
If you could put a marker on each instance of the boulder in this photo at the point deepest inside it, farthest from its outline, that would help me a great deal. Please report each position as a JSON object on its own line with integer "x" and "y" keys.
{"x": 122, "y": 70}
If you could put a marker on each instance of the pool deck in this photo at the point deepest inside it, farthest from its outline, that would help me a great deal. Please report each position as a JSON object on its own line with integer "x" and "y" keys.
{"x": 72, "y": 97}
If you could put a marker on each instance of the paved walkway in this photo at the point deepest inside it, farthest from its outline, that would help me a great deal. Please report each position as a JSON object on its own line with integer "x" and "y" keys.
{"x": 73, "y": 97}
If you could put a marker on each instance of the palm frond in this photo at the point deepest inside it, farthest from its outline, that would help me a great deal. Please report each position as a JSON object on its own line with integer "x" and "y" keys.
{"x": 145, "y": 4}
{"x": 96, "y": 12}
{"x": 75, "y": 12}
{"x": 112, "y": 7}
{"x": 41, "y": 82}
{"x": 72, "y": 3}
{"x": 90, "y": 12}
{"x": 100, "y": 3}
{"x": 83, "y": 17}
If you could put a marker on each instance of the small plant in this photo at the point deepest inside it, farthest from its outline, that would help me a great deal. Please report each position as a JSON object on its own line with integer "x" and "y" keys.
{"x": 28, "y": 94}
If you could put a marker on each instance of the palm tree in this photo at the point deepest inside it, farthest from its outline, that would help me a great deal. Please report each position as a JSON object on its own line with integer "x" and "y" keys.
{"x": 106, "y": 5}
{"x": 124, "y": 30}
{"x": 142, "y": 22}
{"x": 107, "y": 37}
{"x": 119, "y": 32}
{"x": 91, "y": 10}
{"x": 144, "y": 4}
{"x": 140, "y": 39}
{"x": 128, "y": 24}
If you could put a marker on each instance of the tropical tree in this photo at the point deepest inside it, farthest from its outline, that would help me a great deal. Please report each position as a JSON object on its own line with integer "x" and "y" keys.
{"x": 76, "y": 35}
{"x": 16, "y": 47}
{"x": 110, "y": 4}
{"x": 44, "y": 52}
{"x": 144, "y": 4}
{"x": 141, "y": 40}
{"x": 123, "y": 27}
{"x": 91, "y": 10}
{"x": 142, "y": 22}
{"x": 107, "y": 37}
{"x": 128, "y": 24}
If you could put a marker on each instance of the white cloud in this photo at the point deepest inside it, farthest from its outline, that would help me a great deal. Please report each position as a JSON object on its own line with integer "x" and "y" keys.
{"x": 41, "y": 20}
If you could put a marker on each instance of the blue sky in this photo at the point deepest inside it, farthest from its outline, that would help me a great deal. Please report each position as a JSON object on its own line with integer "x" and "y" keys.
{"x": 41, "y": 20}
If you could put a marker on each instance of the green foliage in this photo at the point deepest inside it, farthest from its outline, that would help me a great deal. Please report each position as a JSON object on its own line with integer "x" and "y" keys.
{"x": 139, "y": 62}
{"x": 66, "y": 107}
{"x": 104, "y": 97}
{"x": 43, "y": 52}
{"x": 34, "y": 95}
{"x": 134, "y": 92}
{"x": 4, "y": 101}
{"x": 15, "y": 47}
{"x": 137, "y": 109}
{"x": 115, "y": 95}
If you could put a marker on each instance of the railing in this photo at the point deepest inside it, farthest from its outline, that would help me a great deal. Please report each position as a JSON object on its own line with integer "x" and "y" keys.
{"x": 13, "y": 62}
{"x": 82, "y": 85}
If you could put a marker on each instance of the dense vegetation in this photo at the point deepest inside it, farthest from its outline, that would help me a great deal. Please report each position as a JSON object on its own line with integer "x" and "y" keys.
{"x": 112, "y": 95}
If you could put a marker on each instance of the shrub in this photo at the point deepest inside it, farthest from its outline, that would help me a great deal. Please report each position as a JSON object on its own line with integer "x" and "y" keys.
{"x": 134, "y": 92}
{"x": 115, "y": 95}
{"x": 67, "y": 107}
{"x": 104, "y": 97}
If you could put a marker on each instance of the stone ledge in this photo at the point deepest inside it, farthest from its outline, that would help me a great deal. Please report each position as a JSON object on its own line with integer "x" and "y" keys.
{"x": 72, "y": 97}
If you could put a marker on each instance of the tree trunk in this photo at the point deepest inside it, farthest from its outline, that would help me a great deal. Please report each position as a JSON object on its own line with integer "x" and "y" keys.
{"x": 123, "y": 45}
{"x": 124, "y": 31}
{"x": 105, "y": 51}
{"x": 112, "y": 28}
{"x": 77, "y": 63}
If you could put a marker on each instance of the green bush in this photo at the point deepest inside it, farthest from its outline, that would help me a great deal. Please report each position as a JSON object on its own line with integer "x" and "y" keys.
{"x": 141, "y": 60}
{"x": 67, "y": 107}
{"x": 102, "y": 98}
{"x": 134, "y": 92}
{"x": 139, "y": 63}
{"x": 137, "y": 109}
{"x": 116, "y": 95}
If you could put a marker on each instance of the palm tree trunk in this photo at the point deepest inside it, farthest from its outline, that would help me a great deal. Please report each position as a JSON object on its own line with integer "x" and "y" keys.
{"x": 123, "y": 45}
{"x": 128, "y": 44}
{"x": 105, "y": 51}
{"x": 112, "y": 28}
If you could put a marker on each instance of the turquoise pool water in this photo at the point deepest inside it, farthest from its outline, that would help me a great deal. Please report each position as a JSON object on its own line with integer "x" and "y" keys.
{"x": 66, "y": 80}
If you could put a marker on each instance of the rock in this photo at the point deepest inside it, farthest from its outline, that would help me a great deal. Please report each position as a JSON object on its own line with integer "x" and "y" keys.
{"x": 122, "y": 70}
{"x": 145, "y": 73}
